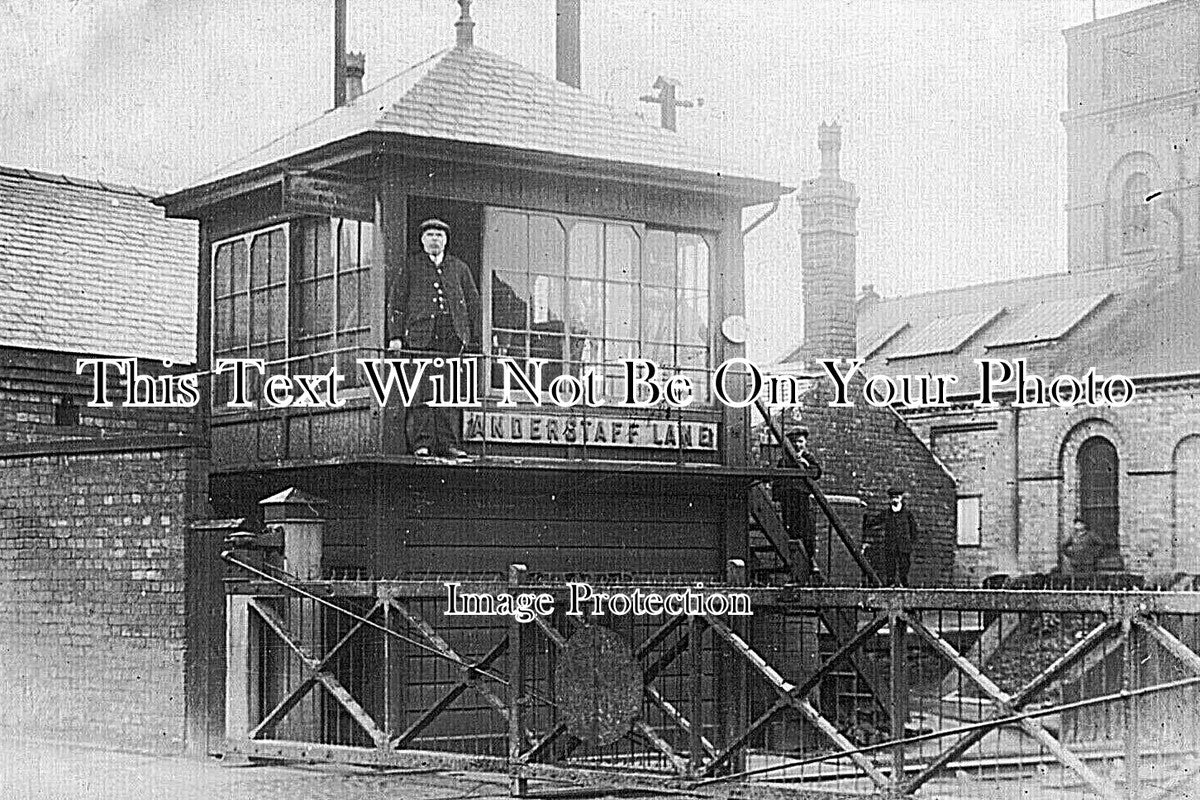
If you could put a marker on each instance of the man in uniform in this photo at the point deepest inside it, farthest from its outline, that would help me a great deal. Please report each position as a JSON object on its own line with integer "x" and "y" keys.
{"x": 435, "y": 313}
{"x": 792, "y": 496}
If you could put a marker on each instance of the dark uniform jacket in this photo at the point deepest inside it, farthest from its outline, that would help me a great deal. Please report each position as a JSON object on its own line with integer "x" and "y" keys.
{"x": 424, "y": 290}
{"x": 792, "y": 496}
{"x": 899, "y": 529}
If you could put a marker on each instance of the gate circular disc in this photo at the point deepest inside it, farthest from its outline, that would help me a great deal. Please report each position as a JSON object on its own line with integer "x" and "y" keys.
{"x": 599, "y": 686}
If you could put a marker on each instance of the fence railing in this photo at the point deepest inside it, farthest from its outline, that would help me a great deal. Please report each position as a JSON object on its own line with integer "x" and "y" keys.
{"x": 855, "y": 691}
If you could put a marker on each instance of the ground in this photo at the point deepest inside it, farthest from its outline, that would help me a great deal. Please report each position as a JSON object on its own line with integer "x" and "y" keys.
{"x": 42, "y": 771}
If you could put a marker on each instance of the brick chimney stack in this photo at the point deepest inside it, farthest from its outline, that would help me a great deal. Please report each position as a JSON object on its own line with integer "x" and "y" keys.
{"x": 356, "y": 68}
{"x": 827, "y": 233}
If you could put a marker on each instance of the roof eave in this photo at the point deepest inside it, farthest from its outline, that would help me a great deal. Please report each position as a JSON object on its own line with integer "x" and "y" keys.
{"x": 187, "y": 202}
{"x": 747, "y": 191}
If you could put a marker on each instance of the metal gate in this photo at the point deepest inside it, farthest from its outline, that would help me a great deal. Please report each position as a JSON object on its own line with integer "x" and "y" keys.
{"x": 860, "y": 692}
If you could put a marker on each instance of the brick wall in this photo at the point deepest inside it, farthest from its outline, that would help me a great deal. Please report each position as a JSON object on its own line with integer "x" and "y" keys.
{"x": 1156, "y": 442}
{"x": 863, "y": 450}
{"x": 35, "y": 383}
{"x": 91, "y": 595}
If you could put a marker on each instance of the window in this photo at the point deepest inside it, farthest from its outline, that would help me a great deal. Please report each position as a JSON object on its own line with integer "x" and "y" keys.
{"x": 331, "y": 260}
{"x": 249, "y": 300}
{"x": 294, "y": 295}
{"x": 1098, "y": 493}
{"x": 969, "y": 528}
{"x": 1135, "y": 213}
{"x": 585, "y": 294}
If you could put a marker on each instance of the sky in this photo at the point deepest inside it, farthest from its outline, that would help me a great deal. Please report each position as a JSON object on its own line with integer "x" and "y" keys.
{"x": 949, "y": 108}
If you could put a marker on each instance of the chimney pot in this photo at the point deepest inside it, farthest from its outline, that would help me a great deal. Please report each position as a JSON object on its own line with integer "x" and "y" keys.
{"x": 465, "y": 26}
{"x": 356, "y": 69}
{"x": 829, "y": 139}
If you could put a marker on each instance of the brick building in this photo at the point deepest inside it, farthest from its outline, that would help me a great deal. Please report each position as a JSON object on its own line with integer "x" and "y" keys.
{"x": 93, "y": 501}
{"x": 1126, "y": 306}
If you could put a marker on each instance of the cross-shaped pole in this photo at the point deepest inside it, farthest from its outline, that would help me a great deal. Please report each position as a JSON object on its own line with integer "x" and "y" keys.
{"x": 668, "y": 101}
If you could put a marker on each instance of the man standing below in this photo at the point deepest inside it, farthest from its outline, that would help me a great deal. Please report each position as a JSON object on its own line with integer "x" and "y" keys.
{"x": 792, "y": 496}
{"x": 435, "y": 313}
{"x": 899, "y": 529}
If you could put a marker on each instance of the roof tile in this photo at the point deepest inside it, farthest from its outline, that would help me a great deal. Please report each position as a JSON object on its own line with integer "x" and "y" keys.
{"x": 90, "y": 268}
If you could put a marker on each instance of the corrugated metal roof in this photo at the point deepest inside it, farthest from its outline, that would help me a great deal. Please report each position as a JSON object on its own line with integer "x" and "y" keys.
{"x": 468, "y": 94}
{"x": 945, "y": 334}
{"x": 1046, "y": 321}
{"x": 91, "y": 268}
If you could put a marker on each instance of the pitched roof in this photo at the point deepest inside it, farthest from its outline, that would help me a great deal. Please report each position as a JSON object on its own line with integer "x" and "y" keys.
{"x": 87, "y": 267}
{"x": 468, "y": 94}
{"x": 1136, "y": 321}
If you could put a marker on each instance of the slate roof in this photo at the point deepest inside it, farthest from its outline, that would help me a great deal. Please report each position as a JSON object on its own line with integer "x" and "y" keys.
{"x": 88, "y": 267}
{"x": 1136, "y": 321}
{"x": 468, "y": 94}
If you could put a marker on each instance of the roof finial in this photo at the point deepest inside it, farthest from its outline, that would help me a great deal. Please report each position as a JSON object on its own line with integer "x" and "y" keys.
{"x": 465, "y": 25}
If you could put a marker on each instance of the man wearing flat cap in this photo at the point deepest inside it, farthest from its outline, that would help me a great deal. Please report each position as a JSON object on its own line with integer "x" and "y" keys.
{"x": 899, "y": 529}
{"x": 435, "y": 313}
{"x": 792, "y": 496}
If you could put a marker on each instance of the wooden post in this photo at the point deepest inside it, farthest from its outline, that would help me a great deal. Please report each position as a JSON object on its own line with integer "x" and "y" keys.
{"x": 518, "y": 783}
{"x": 204, "y": 612}
{"x": 238, "y": 663}
{"x": 301, "y": 518}
{"x": 899, "y": 689}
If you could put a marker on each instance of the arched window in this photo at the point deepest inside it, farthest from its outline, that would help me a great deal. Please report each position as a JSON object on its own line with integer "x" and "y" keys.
{"x": 1098, "y": 498}
{"x": 1135, "y": 213}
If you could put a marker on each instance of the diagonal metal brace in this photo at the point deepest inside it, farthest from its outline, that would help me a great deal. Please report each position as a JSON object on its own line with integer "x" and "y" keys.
{"x": 1004, "y": 703}
{"x": 785, "y": 691}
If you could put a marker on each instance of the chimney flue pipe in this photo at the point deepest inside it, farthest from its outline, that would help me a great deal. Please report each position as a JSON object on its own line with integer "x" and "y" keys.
{"x": 339, "y": 53}
{"x": 567, "y": 60}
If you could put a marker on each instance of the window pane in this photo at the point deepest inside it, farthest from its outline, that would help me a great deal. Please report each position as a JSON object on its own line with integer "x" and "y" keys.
{"x": 968, "y": 521}
{"x": 241, "y": 322}
{"x": 586, "y": 350}
{"x": 587, "y": 308}
{"x": 238, "y": 266}
{"x": 223, "y": 325}
{"x": 547, "y": 346}
{"x": 693, "y": 318}
{"x": 277, "y": 301}
{"x": 347, "y": 230}
{"x": 260, "y": 260}
{"x": 366, "y": 243}
{"x": 692, "y": 357}
{"x": 658, "y": 315}
{"x": 506, "y": 242}
{"x": 278, "y": 256}
{"x": 660, "y": 258}
{"x": 693, "y": 262}
{"x": 621, "y": 247}
{"x": 223, "y": 269}
{"x": 546, "y": 302}
{"x": 586, "y": 250}
{"x": 621, "y": 312}
{"x": 547, "y": 241}
{"x": 509, "y": 304}
{"x": 260, "y": 317}
{"x": 348, "y": 309}
{"x": 324, "y": 306}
